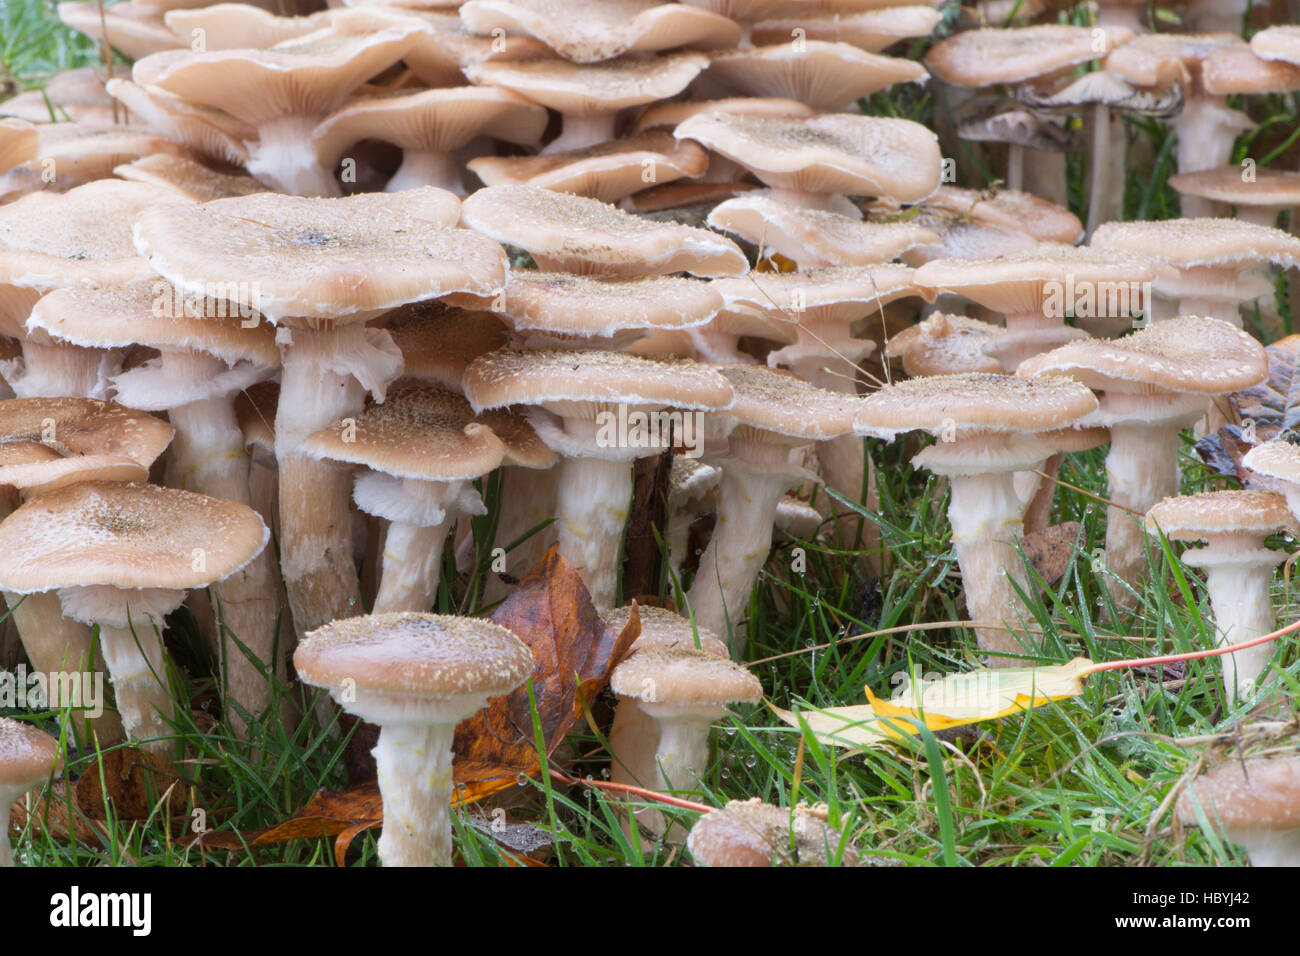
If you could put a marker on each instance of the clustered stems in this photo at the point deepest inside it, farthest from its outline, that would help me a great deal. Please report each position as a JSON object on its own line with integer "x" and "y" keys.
{"x": 414, "y": 761}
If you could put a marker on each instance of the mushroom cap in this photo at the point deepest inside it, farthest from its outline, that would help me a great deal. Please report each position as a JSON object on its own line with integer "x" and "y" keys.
{"x": 586, "y": 31}
{"x": 595, "y": 87}
{"x": 81, "y": 152}
{"x": 828, "y": 153}
{"x": 429, "y": 656}
{"x": 773, "y": 401}
{"x": 1189, "y": 353}
{"x": 1158, "y": 59}
{"x": 663, "y": 629}
{"x": 608, "y": 171}
{"x": 835, "y": 293}
{"x": 144, "y": 312}
{"x": 1012, "y": 208}
{"x": 973, "y": 401}
{"x": 1275, "y": 459}
{"x": 242, "y": 26}
{"x": 419, "y": 431}
{"x": 1281, "y": 42}
{"x": 1195, "y": 517}
{"x": 302, "y": 259}
{"x": 19, "y": 143}
{"x": 575, "y": 234}
{"x": 1264, "y": 795}
{"x": 27, "y": 755}
{"x": 191, "y": 180}
{"x": 126, "y": 535}
{"x": 1237, "y": 69}
{"x": 684, "y": 677}
{"x": 1270, "y": 187}
{"x": 754, "y": 833}
{"x": 814, "y": 236}
{"x": 127, "y": 27}
{"x": 207, "y": 131}
{"x": 944, "y": 344}
{"x": 1200, "y": 242}
{"x": 507, "y": 377}
{"x": 962, "y": 238}
{"x": 825, "y": 76}
{"x": 870, "y": 30}
{"x": 1103, "y": 88}
{"x": 997, "y": 55}
{"x": 523, "y": 447}
{"x": 672, "y": 114}
{"x": 438, "y": 342}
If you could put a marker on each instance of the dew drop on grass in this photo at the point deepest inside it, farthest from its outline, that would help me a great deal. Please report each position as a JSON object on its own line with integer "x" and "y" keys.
{"x": 751, "y": 761}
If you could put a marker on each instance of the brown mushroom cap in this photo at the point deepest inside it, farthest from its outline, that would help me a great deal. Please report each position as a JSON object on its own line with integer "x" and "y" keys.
{"x": 835, "y": 293}
{"x": 1269, "y": 187}
{"x": 674, "y": 113}
{"x": 191, "y": 180}
{"x": 995, "y": 55}
{"x": 573, "y": 234}
{"x": 1200, "y": 242}
{"x": 1158, "y": 59}
{"x": 685, "y": 677}
{"x": 1262, "y": 795}
{"x": 523, "y": 447}
{"x": 82, "y": 152}
{"x": 1237, "y": 69}
{"x": 19, "y": 143}
{"x": 438, "y": 342}
{"x": 1189, "y": 354}
{"x": 27, "y": 755}
{"x": 776, "y": 402}
{"x": 753, "y": 833}
{"x": 434, "y": 656}
{"x": 419, "y": 431}
{"x": 1194, "y": 517}
{"x": 664, "y": 629}
{"x": 125, "y": 535}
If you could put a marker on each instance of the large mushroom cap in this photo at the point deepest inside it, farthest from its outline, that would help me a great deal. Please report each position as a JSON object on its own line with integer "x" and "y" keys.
{"x": 985, "y": 57}
{"x": 1280, "y": 42}
{"x": 1270, "y": 187}
{"x": 1194, "y": 517}
{"x": 1264, "y": 794}
{"x": 684, "y": 677}
{"x": 1186, "y": 354}
{"x": 1158, "y": 59}
{"x": 27, "y": 755}
{"x": 1200, "y": 242}
{"x": 126, "y": 535}
{"x": 573, "y": 234}
{"x": 944, "y": 344}
{"x": 430, "y": 656}
{"x": 825, "y": 76}
{"x": 241, "y": 26}
{"x": 753, "y": 833}
{"x": 190, "y": 180}
{"x": 331, "y": 259}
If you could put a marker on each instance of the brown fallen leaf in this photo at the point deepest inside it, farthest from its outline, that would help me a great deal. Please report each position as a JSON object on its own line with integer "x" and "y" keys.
{"x": 1266, "y": 411}
{"x": 1050, "y": 550}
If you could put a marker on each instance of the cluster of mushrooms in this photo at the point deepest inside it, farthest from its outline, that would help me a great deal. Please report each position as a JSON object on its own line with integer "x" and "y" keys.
{"x": 319, "y": 275}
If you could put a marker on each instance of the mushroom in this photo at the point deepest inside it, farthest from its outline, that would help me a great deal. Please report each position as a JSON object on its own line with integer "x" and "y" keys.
{"x": 1238, "y": 568}
{"x": 69, "y": 95}
{"x": 191, "y": 181}
{"x": 416, "y": 676}
{"x": 27, "y": 757}
{"x": 945, "y": 344}
{"x": 122, "y": 555}
{"x": 133, "y": 29}
{"x": 73, "y": 154}
{"x": 754, "y": 833}
{"x": 241, "y": 26}
{"x": 1278, "y": 462}
{"x": 869, "y": 30}
{"x": 990, "y": 427}
{"x": 691, "y": 484}
{"x": 1257, "y": 199}
{"x": 208, "y": 133}
{"x": 19, "y": 143}
{"x": 1253, "y": 802}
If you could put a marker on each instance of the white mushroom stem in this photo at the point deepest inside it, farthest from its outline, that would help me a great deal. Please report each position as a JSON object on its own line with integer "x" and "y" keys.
{"x": 682, "y": 754}
{"x": 415, "y": 780}
{"x": 426, "y": 168}
{"x": 325, "y": 377}
{"x": 282, "y": 157}
{"x": 1015, "y": 166}
{"x": 1267, "y": 847}
{"x": 581, "y": 130}
{"x": 8, "y": 797}
{"x": 1206, "y": 130}
{"x": 57, "y": 370}
{"x": 1044, "y": 175}
{"x": 412, "y": 564}
{"x": 1104, "y": 203}
{"x": 130, "y": 636}
{"x": 633, "y": 740}
{"x": 591, "y": 505}
{"x": 1238, "y": 579}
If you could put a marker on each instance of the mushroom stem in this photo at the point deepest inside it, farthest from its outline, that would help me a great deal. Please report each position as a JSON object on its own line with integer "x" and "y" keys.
{"x": 591, "y": 505}
{"x": 137, "y": 666}
{"x": 681, "y": 758}
{"x": 61, "y": 370}
{"x": 415, "y": 780}
{"x": 1267, "y": 847}
{"x": 581, "y": 130}
{"x": 1213, "y": 307}
{"x": 426, "y": 168}
{"x": 412, "y": 566}
{"x": 1142, "y": 469}
{"x": 1100, "y": 202}
{"x": 8, "y": 796}
{"x": 1015, "y": 167}
{"x": 1206, "y": 130}
{"x": 282, "y": 157}
{"x": 742, "y": 538}
{"x": 1044, "y": 175}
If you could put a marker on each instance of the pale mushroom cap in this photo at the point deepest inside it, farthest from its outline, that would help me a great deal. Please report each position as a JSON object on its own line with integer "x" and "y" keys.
{"x": 684, "y": 677}
{"x": 1186, "y": 354}
{"x": 672, "y": 114}
{"x": 945, "y": 344}
{"x": 86, "y": 151}
{"x": 126, "y": 535}
{"x": 973, "y": 401}
{"x": 575, "y": 234}
{"x": 1280, "y": 42}
{"x": 1200, "y": 242}
{"x": 663, "y": 629}
{"x": 190, "y": 179}
{"x": 241, "y": 26}
{"x": 844, "y": 292}
{"x": 592, "y": 88}
{"x": 1012, "y": 208}
{"x": 332, "y": 259}
{"x": 752, "y": 833}
{"x": 207, "y": 131}
{"x": 828, "y": 153}
{"x": 1264, "y": 795}
{"x": 1237, "y": 69}
{"x": 1157, "y": 59}
{"x": 995, "y": 55}
{"x": 531, "y": 378}
{"x": 431, "y": 656}
{"x": 870, "y": 30}
{"x": 1195, "y": 517}
{"x": 586, "y": 31}
{"x": 32, "y": 468}
{"x": 1275, "y": 459}
{"x": 128, "y": 31}
{"x": 79, "y": 428}
{"x": 768, "y": 400}
{"x": 418, "y": 431}
{"x": 1269, "y": 187}
{"x": 438, "y": 342}
{"x": 19, "y": 142}
{"x": 27, "y": 755}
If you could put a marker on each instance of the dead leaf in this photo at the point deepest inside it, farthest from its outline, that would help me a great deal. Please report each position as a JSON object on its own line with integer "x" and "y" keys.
{"x": 1051, "y": 549}
{"x": 132, "y": 782}
{"x": 343, "y": 815}
{"x": 1266, "y": 410}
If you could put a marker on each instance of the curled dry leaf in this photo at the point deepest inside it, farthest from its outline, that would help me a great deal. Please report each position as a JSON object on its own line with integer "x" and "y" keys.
{"x": 1266, "y": 411}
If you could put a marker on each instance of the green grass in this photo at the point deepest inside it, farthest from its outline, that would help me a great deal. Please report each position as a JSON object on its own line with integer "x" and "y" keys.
{"x": 1077, "y": 782}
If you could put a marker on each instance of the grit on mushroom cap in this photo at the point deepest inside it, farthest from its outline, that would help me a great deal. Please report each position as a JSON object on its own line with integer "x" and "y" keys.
{"x": 1270, "y": 187}
{"x": 867, "y": 29}
{"x": 306, "y": 259}
{"x": 973, "y": 401}
{"x": 586, "y": 31}
{"x": 1158, "y": 59}
{"x": 27, "y": 755}
{"x": 826, "y": 76}
{"x": 834, "y": 293}
{"x": 1011, "y": 208}
{"x": 661, "y": 628}
{"x": 1264, "y": 794}
{"x": 125, "y": 535}
{"x": 438, "y": 342}
{"x": 584, "y": 89}
{"x": 242, "y": 26}
{"x": 1200, "y": 242}
{"x": 776, "y": 402}
{"x": 754, "y": 833}
{"x": 1275, "y": 459}
{"x": 944, "y": 344}
{"x": 532, "y": 378}
{"x": 685, "y": 677}
{"x": 573, "y": 234}
{"x": 422, "y": 655}
{"x": 1189, "y": 354}
{"x": 829, "y": 153}
{"x": 985, "y": 57}
{"x": 191, "y": 181}
{"x": 419, "y": 431}
{"x": 1194, "y": 517}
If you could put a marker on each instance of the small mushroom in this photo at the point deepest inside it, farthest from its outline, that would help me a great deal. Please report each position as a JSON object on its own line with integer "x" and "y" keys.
{"x": 1253, "y": 802}
{"x": 754, "y": 833}
{"x": 27, "y": 755}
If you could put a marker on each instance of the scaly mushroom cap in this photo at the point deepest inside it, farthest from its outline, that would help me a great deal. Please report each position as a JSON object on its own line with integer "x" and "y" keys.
{"x": 573, "y": 234}
{"x": 830, "y": 153}
{"x": 126, "y": 535}
{"x": 1000, "y": 403}
{"x": 1200, "y": 242}
{"x": 945, "y": 344}
{"x": 662, "y": 629}
{"x": 301, "y": 259}
{"x": 826, "y": 76}
{"x": 419, "y": 431}
{"x": 592, "y": 88}
{"x": 438, "y": 342}
{"x": 1187, "y": 354}
{"x": 1275, "y": 459}
{"x": 1262, "y": 795}
{"x": 1158, "y": 59}
{"x": 190, "y": 180}
{"x": 1278, "y": 43}
{"x": 532, "y": 378}
{"x": 870, "y": 30}
{"x": 1270, "y": 187}
{"x": 586, "y": 31}
{"x": 684, "y": 677}
{"x": 995, "y": 55}
{"x": 429, "y": 656}
{"x": 27, "y": 755}
{"x": 754, "y": 833}
{"x": 523, "y": 447}
{"x": 241, "y": 26}
{"x": 777, "y": 403}
{"x": 1195, "y": 517}
{"x": 1044, "y": 220}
